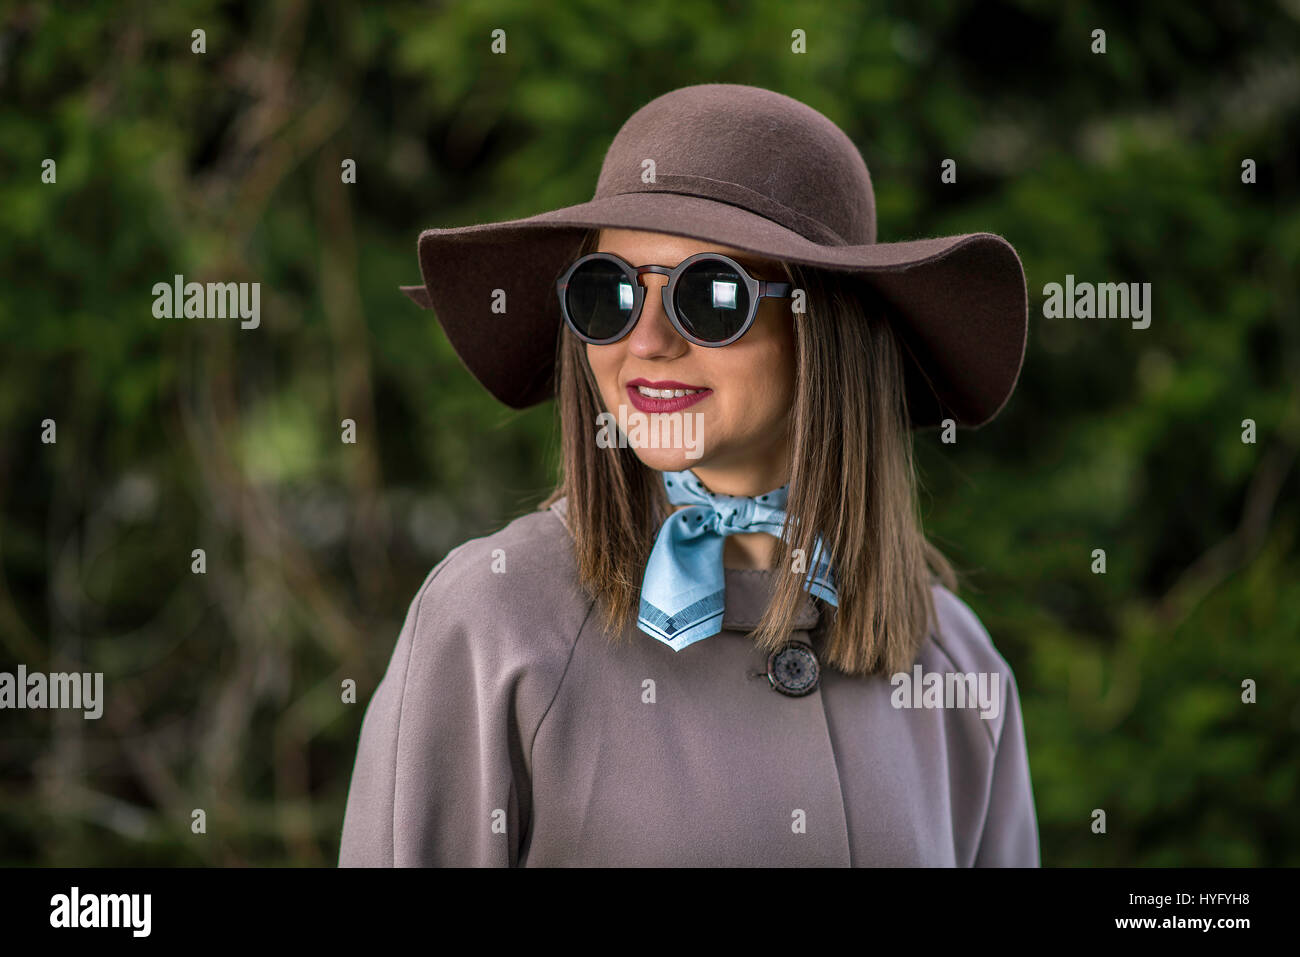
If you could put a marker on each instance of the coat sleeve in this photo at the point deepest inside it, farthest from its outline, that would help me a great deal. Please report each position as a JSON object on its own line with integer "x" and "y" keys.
{"x": 439, "y": 778}
{"x": 1010, "y": 834}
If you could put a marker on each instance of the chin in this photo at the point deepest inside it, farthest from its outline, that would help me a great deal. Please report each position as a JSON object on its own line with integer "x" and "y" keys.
{"x": 665, "y": 442}
{"x": 669, "y": 460}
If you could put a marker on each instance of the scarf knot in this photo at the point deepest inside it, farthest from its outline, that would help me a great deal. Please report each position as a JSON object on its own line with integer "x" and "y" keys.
{"x": 683, "y": 590}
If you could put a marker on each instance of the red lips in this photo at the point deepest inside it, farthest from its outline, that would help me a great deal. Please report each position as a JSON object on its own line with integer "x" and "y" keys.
{"x": 664, "y": 384}
{"x": 645, "y": 403}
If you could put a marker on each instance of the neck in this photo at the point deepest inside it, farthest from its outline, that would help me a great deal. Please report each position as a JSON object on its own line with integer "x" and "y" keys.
{"x": 756, "y": 470}
{"x": 748, "y": 550}
{"x": 748, "y": 482}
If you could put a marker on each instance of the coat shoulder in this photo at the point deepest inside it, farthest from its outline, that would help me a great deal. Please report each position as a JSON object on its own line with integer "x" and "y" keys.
{"x": 536, "y": 544}
{"x": 962, "y": 637}
{"x": 447, "y": 734}
{"x": 517, "y": 586}
{"x": 1007, "y": 835}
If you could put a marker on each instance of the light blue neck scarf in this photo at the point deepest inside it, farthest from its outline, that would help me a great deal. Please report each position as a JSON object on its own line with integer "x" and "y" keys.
{"x": 683, "y": 589}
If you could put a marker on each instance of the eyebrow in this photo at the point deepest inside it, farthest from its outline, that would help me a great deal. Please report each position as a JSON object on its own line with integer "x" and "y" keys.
{"x": 750, "y": 261}
{"x": 758, "y": 264}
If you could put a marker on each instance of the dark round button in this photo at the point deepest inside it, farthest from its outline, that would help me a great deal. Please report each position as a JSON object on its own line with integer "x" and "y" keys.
{"x": 793, "y": 669}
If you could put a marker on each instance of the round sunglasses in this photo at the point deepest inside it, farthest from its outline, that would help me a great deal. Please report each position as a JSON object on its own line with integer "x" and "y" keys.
{"x": 709, "y": 298}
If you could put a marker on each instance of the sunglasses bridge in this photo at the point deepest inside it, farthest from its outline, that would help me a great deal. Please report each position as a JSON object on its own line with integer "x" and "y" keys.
{"x": 767, "y": 288}
{"x": 758, "y": 288}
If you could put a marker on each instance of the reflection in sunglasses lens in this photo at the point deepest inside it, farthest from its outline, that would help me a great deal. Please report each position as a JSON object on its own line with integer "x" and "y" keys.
{"x": 712, "y": 300}
{"x": 599, "y": 299}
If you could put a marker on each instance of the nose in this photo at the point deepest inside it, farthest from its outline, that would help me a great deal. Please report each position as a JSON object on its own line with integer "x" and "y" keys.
{"x": 654, "y": 334}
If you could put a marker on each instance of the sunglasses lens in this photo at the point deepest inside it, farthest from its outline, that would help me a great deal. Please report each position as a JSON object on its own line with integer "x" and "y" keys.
{"x": 599, "y": 298}
{"x": 712, "y": 300}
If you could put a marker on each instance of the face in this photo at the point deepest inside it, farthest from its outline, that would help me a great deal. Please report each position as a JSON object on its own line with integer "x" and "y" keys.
{"x": 740, "y": 442}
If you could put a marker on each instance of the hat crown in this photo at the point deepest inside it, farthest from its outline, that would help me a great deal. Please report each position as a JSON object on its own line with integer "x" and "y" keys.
{"x": 750, "y": 147}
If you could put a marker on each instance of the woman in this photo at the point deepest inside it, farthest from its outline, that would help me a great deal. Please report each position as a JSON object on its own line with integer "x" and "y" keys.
{"x": 726, "y": 642}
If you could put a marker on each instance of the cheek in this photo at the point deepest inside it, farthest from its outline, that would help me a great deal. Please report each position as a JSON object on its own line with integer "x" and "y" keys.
{"x": 769, "y": 367}
{"x": 761, "y": 383}
{"x": 605, "y": 362}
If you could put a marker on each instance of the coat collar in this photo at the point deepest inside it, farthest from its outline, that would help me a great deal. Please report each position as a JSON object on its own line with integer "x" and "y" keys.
{"x": 748, "y": 592}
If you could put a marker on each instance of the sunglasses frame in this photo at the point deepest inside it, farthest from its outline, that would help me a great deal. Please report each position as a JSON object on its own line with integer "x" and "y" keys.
{"x": 759, "y": 289}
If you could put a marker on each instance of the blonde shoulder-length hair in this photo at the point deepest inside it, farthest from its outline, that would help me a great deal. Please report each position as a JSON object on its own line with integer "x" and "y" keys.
{"x": 852, "y": 480}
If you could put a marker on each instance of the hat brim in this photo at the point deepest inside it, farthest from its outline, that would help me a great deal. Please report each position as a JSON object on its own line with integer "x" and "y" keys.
{"x": 962, "y": 299}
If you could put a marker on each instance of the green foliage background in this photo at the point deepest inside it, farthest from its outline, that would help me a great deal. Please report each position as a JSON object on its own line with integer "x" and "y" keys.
{"x": 223, "y": 689}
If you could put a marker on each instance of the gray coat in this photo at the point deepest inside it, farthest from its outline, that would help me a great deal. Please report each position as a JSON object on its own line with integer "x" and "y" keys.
{"x": 508, "y": 731}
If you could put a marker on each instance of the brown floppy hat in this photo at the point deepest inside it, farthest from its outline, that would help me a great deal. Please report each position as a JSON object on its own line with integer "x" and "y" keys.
{"x": 757, "y": 170}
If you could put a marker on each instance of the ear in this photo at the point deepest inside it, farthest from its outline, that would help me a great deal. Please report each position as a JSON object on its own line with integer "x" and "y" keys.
{"x": 419, "y": 295}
